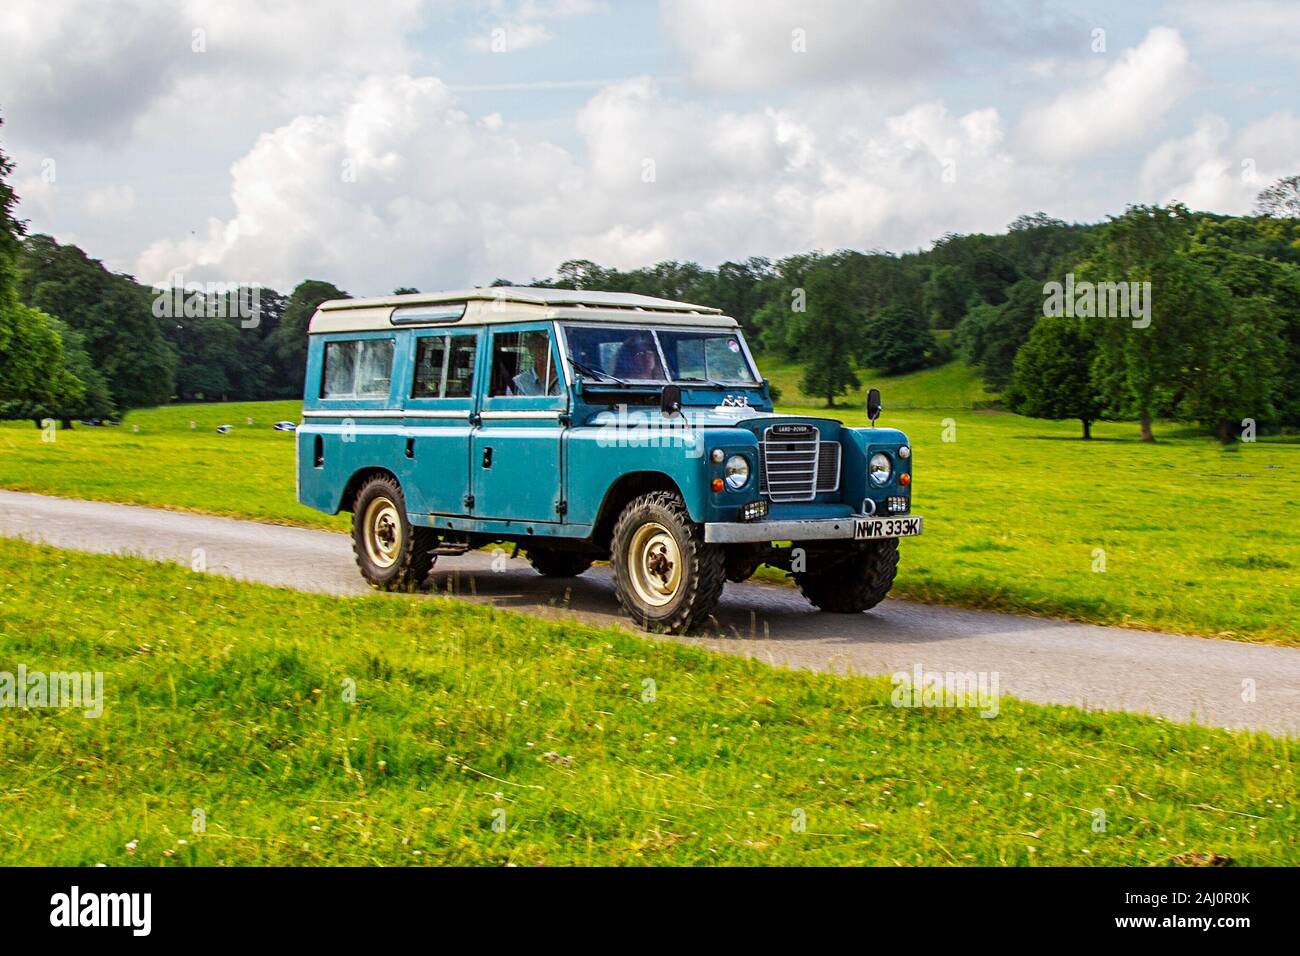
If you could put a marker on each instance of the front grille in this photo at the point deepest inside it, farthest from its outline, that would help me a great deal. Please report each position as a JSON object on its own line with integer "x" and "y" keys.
{"x": 828, "y": 467}
{"x": 794, "y": 464}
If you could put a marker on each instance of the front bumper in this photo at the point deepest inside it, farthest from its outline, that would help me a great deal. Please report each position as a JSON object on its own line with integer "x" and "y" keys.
{"x": 853, "y": 527}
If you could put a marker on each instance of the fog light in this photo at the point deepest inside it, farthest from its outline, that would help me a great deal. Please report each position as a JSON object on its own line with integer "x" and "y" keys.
{"x": 717, "y": 455}
{"x": 717, "y": 484}
{"x": 896, "y": 504}
{"x": 754, "y": 510}
{"x": 904, "y": 479}
{"x": 904, "y": 452}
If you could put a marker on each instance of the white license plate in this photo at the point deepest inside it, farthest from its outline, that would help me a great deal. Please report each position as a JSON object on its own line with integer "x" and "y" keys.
{"x": 901, "y": 527}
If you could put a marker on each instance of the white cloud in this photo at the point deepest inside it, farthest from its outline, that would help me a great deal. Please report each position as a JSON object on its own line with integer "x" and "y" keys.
{"x": 1121, "y": 106}
{"x": 509, "y": 27}
{"x": 1255, "y": 26}
{"x": 111, "y": 200}
{"x": 88, "y": 70}
{"x": 440, "y": 198}
{"x": 1213, "y": 170}
{"x": 757, "y": 44}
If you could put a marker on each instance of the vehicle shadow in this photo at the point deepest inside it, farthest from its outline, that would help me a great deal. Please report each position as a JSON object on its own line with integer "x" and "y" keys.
{"x": 747, "y": 612}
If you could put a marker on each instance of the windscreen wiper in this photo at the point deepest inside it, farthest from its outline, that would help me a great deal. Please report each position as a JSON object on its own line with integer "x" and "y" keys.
{"x": 706, "y": 381}
{"x": 586, "y": 369}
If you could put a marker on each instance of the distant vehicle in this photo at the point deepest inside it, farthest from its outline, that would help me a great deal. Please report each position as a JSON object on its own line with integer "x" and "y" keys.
{"x": 285, "y": 426}
{"x": 587, "y": 426}
{"x": 222, "y": 429}
{"x": 90, "y": 421}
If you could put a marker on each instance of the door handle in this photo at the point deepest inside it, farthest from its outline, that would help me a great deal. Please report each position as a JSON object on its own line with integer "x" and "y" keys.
{"x": 487, "y": 457}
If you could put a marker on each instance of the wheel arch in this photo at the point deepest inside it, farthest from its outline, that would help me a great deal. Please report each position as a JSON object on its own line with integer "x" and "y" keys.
{"x": 358, "y": 479}
{"x": 620, "y": 492}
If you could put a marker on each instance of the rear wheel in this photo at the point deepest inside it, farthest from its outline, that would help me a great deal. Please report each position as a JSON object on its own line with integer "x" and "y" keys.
{"x": 392, "y": 553}
{"x": 666, "y": 577}
{"x": 850, "y": 580}
{"x": 558, "y": 564}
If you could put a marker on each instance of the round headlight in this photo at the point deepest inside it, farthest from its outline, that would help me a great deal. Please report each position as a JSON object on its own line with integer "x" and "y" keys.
{"x": 880, "y": 468}
{"x": 737, "y": 472}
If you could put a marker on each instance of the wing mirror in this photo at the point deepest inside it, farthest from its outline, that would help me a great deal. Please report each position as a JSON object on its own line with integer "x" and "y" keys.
{"x": 670, "y": 399}
{"x": 873, "y": 405}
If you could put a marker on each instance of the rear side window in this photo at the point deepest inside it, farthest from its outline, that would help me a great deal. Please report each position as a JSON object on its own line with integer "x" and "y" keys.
{"x": 361, "y": 368}
{"x": 444, "y": 366}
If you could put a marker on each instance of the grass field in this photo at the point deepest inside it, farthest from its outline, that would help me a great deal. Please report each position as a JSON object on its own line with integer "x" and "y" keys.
{"x": 229, "y": 698}
{"x": 955, "y": 385}
{"x": 1020, "y": 514}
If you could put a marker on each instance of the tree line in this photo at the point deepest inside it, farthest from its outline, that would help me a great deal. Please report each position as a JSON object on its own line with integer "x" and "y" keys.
{"x": 1219, "y": 342}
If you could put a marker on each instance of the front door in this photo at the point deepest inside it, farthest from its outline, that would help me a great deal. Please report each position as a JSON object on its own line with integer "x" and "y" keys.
{"x": 515, "y": 458}
{"x": 436, "y": 418}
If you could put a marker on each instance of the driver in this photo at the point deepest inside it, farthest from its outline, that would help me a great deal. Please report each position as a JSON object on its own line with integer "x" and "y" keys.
{"x": 528, "y": 382}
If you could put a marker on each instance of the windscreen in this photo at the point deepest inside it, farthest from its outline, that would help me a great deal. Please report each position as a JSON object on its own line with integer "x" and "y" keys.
{"x": 658, "y": 355}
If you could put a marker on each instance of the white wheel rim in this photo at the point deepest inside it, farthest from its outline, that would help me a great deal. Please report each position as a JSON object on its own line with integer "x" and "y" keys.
{"x": 655, "y": 564}
{"x": 383, "y": 532}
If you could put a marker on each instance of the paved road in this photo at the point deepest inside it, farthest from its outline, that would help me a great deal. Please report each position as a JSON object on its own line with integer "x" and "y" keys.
{"x": 1182, "y": 678}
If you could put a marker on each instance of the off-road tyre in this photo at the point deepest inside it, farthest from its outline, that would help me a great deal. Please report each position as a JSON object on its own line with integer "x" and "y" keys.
{"x": 850, "y": 581}
{"x": 392, "y": 553}
{"x": 684, "y": 577}
{"x": 558, "y": 564}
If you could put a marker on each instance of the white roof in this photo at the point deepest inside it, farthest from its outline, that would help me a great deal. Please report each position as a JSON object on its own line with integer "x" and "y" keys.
{"x": 516, "y": 304}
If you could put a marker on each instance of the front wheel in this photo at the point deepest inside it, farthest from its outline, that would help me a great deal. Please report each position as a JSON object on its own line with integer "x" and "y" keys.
{"x": 665, "y": 575}
{"x": 851, "y": 580}
{"x": 392, "y": 553}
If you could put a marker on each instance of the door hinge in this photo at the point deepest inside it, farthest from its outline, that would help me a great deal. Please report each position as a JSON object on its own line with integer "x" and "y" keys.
{"x": 469, "y": 502}
{"x": 561, "y": 507}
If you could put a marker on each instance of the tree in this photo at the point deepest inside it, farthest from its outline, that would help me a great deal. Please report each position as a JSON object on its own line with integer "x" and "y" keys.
{"x": 290, "y": 338}
{"x": 1280, "y": 200}
{"x": 1239, "y": 374}
{"x": 1254, "y": 258}
{"x": 112, "y": 312}
{"x": 34, "y": 378}
{"x": 34, "y": 381}
{"x": 896, "y": 339}
{"x": 948, "y": 294}
{"x": 1141, "y": 368}
{"x": 990, "y": 335}
{"x": 829, "y": 319}
{"x": 1052, "y": 376}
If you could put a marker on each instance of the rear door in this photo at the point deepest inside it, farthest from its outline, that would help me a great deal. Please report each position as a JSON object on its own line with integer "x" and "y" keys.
{"x": 437, "y": 413}
{"x": 515, "y": 459}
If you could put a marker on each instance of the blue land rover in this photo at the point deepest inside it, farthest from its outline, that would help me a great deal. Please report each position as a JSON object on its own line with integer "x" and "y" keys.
{"x": 587, "y": 426}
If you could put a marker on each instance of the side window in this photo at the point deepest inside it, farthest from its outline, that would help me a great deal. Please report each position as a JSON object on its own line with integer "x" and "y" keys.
{"x": 444, "y": 366}
{"x": 361, "y": 368}
{"x": 460, "y": 366}
{"x": 521, "y": 364}
{"x": 430, "y": 351}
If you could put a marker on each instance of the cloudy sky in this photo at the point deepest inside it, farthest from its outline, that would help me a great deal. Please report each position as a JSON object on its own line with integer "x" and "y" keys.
{"x": 441, "y": 144}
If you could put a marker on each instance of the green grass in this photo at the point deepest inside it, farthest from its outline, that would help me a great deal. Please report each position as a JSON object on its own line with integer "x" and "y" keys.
{"x": 1196, "y": 538}
{"x": 156, "y": 459}
{"x": 228, "y": 697}
{"x": 954, "y": 385}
